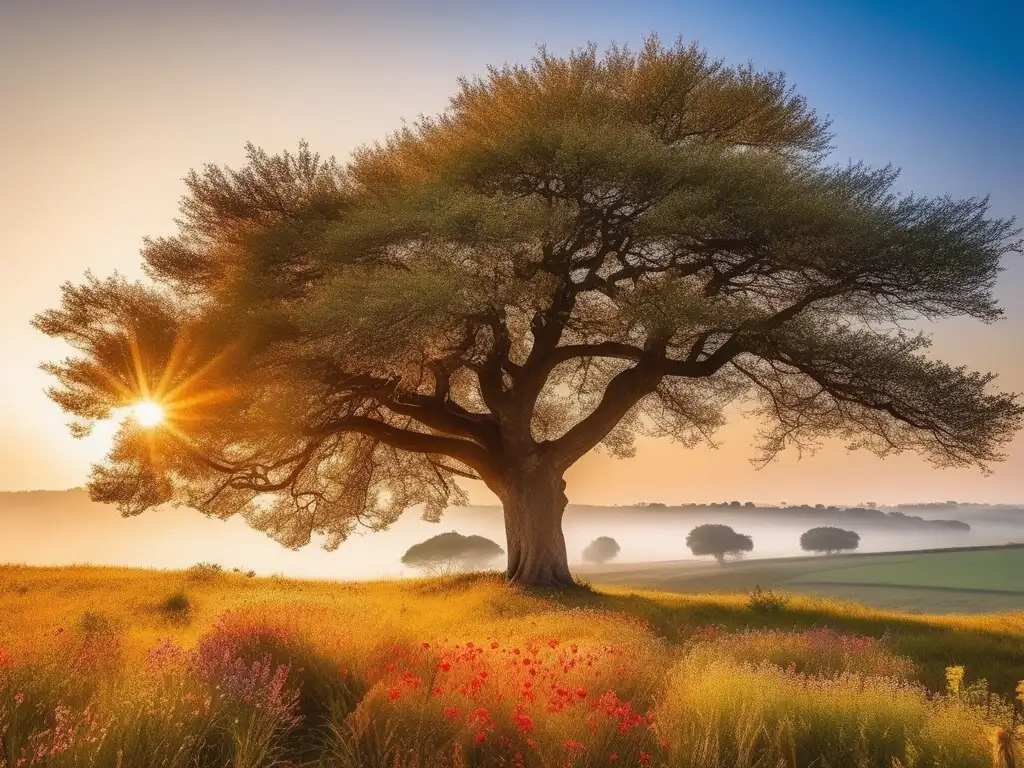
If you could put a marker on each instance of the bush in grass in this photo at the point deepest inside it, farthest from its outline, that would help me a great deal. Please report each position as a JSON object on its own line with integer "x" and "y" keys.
{"x": 204, "y": 571}
{"x": 176, "y": 606}
{"x": 601, "y": 550}
{"x": 767, "y": 600}
{"x": 96, "y": 623}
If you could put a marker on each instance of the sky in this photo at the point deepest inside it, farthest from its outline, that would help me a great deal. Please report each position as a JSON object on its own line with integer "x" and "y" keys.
{"x": 106, "y": 105}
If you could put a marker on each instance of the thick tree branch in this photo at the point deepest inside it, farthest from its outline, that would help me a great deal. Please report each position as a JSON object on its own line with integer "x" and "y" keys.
{"x": 623, "y": 392}
{"x": 436, "y": 412}
{"x": 470, "y": 454}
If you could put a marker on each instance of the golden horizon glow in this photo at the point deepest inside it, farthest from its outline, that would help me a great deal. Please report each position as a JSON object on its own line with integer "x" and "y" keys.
{"x": 148, "y": 414}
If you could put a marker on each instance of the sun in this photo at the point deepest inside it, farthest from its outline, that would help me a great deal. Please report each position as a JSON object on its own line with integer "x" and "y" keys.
{"x": 148, "y": 414}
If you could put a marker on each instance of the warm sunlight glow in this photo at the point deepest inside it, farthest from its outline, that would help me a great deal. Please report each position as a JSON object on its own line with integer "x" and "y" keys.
{"x": 148, "y": 413}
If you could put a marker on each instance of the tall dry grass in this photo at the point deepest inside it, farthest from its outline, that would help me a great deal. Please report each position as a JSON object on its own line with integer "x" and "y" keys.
{"x": 724, "y": 712}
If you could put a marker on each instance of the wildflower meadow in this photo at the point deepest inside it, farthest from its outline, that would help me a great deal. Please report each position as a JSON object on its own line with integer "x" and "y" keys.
{"x": 98, "y": 667}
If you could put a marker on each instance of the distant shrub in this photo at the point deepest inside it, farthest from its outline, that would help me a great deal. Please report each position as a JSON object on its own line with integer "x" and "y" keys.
{"x": 719, "y": 541}
{"x": 448, "y": 552}
{"x": 828, "y": 539}
{"x": 601, "y": 550}
{"x": 95, "y": 623}
{"x": 767, "y": 601}
{"x": 176, "y": 606}
{"x": 204, "y": 571}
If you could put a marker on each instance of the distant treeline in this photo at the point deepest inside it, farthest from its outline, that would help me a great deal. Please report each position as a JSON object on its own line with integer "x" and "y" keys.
{"x": 820, "y": 512}
{"x": 962, "y": 505}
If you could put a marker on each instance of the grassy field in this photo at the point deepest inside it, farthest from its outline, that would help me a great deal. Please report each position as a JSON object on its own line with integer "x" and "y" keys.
{"x": 978, "y": 580}
{"x": 120, "y": 667}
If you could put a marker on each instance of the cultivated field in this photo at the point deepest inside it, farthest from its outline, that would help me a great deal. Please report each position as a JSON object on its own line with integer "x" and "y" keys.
{"x": 977, "y": 580}
{"x": 119, "y": 667}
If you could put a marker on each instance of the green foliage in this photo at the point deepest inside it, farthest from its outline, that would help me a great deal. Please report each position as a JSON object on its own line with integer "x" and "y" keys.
{"x": 377, "y": 318}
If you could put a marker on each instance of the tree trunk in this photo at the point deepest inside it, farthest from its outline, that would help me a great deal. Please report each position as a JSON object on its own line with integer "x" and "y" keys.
{"x": 534, "y": 501}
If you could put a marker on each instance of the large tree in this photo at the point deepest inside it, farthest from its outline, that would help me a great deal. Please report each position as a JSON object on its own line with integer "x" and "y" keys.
{"x": 828, "y": 539}
{"x": 574, "y": 252}
{"x": 601, "y": 550}
{"x": 452, "y": 551}
{"x": 718, "y": 540}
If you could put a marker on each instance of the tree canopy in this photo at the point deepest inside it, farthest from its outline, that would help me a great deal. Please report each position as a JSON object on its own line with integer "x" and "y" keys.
{"x": 601, "y": 550}
{"x": 719, "y": 541}
{"x": 829, "y": 539}
{"x": 452, "y": 551}
{"x": 577, "y": 251}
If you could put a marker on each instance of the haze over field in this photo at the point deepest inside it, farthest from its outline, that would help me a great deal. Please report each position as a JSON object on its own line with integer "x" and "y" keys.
{"x": 65, "y": 527}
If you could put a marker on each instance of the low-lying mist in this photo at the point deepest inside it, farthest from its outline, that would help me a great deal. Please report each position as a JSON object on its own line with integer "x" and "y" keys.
{"x": 61, "y": 528}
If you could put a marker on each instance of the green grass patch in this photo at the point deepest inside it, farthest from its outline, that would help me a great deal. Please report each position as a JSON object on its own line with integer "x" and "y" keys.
{"x": 999, "y": 570}
{"x": 978, "y": 580}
